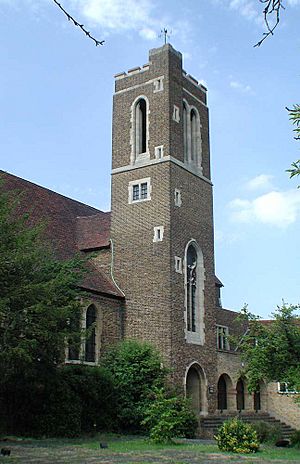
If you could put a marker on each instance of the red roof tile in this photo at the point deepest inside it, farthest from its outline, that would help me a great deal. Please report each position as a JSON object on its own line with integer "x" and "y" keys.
{"x": 70, "y": 225}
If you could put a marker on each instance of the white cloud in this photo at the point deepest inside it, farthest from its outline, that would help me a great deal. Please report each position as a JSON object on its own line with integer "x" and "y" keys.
{"x": 118, "y": 15}
{"x": 243, "y": 88}
{"x": 261, "y": 182}
{"x": 279, "y": 209}
{"x": 148, "y": 34}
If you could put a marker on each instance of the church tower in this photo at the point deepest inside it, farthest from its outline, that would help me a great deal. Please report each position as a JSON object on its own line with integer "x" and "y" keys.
{"x": 162, "y": 218}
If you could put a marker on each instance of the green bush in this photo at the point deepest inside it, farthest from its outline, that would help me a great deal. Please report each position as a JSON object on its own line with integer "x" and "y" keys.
{"x": 267, "y": 433}
{"x": 168, "y": 417}
{"x": 237, "y": 436}
{"x": 295, "y": 439}
{"x": 136, "y": 370}
{"x": 71, "y": 400}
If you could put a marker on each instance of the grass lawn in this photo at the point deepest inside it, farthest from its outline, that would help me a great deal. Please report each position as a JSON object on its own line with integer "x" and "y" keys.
{"x": 134, "y": 450}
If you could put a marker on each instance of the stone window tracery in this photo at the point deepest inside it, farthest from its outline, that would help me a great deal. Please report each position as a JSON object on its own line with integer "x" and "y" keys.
{"x": 194, "y": 293}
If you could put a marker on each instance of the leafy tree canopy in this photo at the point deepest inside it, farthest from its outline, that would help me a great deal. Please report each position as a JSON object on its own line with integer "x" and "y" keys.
{"x": 39, "y": 298}
{"x": 137, "y": 370}
{"x": 272, "y": 351}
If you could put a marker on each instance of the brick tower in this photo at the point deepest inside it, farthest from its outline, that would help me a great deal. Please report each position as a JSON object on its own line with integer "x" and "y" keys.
{"x": 162, "y": 218}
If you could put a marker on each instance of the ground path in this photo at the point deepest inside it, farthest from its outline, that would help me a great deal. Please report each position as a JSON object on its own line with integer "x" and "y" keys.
{"x": 33, "y": 453}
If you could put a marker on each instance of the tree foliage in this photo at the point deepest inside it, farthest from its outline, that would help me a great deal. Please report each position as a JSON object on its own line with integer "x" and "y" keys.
{"x": 169, "y": 416}
{"x": 295, "y": 118}
{"x": 272, "y": 351}
{"x": 137, "y": 370}
{"x": 39, "y": 297}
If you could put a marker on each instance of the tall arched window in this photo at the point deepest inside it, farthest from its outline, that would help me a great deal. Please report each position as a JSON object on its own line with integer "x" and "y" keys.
{"x": 194, "y": 293}
{"x": 90, "y": 344}
{"x": 191, "y": 288}
{"x": 192, "y": 136}
{"x": 140, "y": 126}
{"x": 185, "y": 132}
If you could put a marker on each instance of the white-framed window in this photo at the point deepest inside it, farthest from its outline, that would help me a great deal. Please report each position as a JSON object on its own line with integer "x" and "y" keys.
{"x": 176, "y": 114}
{"x": 158, "y": 234}
{"x": 284, "y": 388}
{"x": 159, "y": 152}
{"x": 158, "y": 85}
{"x": 222, "y": 338}
{"x": 177, "y": 198}
{"x": 139, "y": 190}
{"x": 178, "y": 265}
{"x": 194, "y": 293}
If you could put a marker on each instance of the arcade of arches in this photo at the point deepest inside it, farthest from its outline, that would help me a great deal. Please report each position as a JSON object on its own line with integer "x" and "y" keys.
{"x": 231, "y": 396}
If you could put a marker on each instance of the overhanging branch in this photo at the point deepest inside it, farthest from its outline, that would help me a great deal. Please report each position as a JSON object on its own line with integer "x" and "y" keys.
{"x": 81, "y": 26}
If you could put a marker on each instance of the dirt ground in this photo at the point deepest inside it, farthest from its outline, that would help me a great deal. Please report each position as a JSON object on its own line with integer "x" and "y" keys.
{"x": 36, "y": 454}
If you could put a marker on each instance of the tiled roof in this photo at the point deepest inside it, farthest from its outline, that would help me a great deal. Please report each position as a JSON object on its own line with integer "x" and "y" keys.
{"x": 93, "y": 232}
{"x": 70, "y": 225}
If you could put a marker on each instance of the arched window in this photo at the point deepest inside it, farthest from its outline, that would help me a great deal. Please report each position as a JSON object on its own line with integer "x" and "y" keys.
{"x": 90, "y": 343}
{"x": 191, "y": 288}
{"x": 185, "y": 132}
{"x": 192, "y": 136}
{"x": 140, "y": 126}
{"x": 194, "y": 293}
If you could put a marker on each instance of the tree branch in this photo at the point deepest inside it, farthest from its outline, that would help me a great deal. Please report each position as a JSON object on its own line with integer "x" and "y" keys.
{"x": 81, "y": 26}
{"x": 273, "y": 8}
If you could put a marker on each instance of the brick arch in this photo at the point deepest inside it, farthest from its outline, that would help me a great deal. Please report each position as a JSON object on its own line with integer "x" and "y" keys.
{"x": 196, "y": 388}
{"x": 224, "y": 392}
{"x": 260, "y": 397}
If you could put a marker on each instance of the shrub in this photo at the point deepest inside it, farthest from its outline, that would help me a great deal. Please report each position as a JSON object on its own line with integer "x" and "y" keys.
{"x": 169, "y": 417}
{"x": 267, "y": 432}
{"x": 70, "y": 401}
{"x": 237, "y": 436}
{"x": 136, "y": 370}
{"x": 94, "y": 391}
{"x": 295, "y": 439}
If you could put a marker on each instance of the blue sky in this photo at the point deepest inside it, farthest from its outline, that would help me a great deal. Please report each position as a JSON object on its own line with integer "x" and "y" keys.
{"x": 56, "y": 100}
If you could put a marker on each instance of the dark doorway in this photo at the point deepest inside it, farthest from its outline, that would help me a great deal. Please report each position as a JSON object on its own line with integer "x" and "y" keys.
{"x": 193, "y": 389}
{"x": 222, "y": 393}
{"x": 240, "y": 395}
{"x": 257, "y": 401}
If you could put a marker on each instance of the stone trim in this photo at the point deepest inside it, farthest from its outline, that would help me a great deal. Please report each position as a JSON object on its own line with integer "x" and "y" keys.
{"x": 197, "y": 99}
{"x": 137, "y": 86}
{"x": 161, "y": 160}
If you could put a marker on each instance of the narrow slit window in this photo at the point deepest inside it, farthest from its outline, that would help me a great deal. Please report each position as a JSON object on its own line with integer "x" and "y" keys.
{"x": 140, "y": 126}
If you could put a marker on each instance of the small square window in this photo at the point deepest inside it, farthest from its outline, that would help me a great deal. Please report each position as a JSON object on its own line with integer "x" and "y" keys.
{"x": 159, "y": 152}
{"x": 176, "y": 116}
{"x": 177, "y": 198}
{"x": 158, "y": 85}
{"x": 178, "y": 265}
{"x": 139, "y": 190}
{"x": 158, "y": 234}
